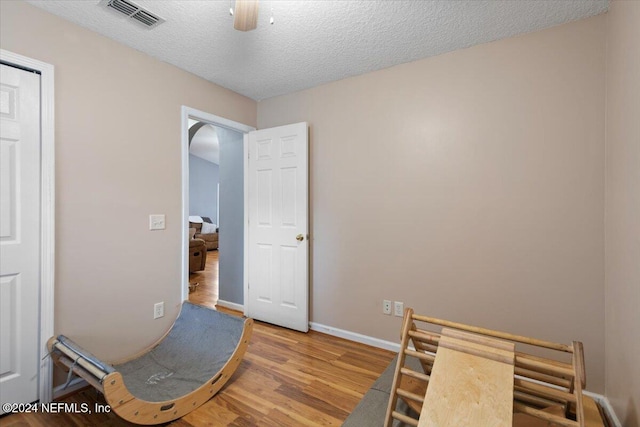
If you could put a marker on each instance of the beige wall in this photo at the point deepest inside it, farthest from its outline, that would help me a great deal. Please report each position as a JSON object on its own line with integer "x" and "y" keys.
{"x": 117, "y": 161}
{"x": 468, "y": 185}
{"x": 622, "y": 285}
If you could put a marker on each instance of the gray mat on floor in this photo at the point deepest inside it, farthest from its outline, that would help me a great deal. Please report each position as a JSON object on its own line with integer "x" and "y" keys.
{"x": 372, "y": 409}
{"x": 200, "y": 343}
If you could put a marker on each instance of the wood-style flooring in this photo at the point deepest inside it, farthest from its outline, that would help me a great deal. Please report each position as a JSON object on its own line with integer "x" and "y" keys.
{"x": 206, "y": 293}
{"x": 287, "y": 378}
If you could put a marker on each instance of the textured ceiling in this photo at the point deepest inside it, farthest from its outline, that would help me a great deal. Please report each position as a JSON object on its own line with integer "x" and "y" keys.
{"x": 315, "y": 42}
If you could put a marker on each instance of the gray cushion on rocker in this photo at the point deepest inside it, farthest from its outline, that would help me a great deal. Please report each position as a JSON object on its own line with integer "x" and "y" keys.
{"x": 201, "y": 341}
{"x": 372, "y": 409}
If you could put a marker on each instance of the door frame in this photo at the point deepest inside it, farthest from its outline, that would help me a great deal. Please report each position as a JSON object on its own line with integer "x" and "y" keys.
{"x": 47, "y": 212}
{"x": 185, "y": 114}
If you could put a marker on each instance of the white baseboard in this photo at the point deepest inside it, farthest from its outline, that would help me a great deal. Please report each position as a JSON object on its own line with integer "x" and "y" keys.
{"x": 230, "y": 305}
{"x": 354, "y": 336}
{"x": 606, "y": 406}
{"x": 75, "y": 385}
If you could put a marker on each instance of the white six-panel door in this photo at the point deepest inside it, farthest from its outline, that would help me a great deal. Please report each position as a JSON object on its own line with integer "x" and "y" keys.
{"x": 278, "y": 226}
{"x": 19, "y": 234}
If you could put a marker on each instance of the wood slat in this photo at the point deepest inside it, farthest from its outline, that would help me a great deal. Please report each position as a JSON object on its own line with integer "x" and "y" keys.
{"x": 414, "y": 374}
{"x": 412, "y": 396}
{"x": 532, "y": 400}
{"x": 480, "y": 350}
{"x": 420, "y": 355}
{"x": 526, "y": 361}
{"x": 544, "y": 366}
{"x": 578, "y": 362}
{"x": 497, "y": 334}
{"x": 524, "y": 420}
{"x": 412, "y": 391}
{"x": 425, "y": 336}
{"x": 405, "y": 419}
{"x": 539, "y": 376}
{"x": 544, "y": 391}
{"x": 555, "y": 419}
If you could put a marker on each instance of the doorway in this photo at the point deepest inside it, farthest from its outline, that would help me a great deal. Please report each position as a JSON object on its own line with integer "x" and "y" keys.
{"x": 204, "y": 212}
{"x": 227, "y": 214}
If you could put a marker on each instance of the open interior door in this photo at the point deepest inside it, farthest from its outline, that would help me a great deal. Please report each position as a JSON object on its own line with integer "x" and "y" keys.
{"x": 278, "y": 282}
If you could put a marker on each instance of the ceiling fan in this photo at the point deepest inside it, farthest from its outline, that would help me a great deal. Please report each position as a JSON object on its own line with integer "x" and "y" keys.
{"x": 245, "y": 15}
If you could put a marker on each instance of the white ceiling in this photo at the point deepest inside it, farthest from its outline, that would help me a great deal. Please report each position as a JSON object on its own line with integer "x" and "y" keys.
{"x": 316, "y": 41}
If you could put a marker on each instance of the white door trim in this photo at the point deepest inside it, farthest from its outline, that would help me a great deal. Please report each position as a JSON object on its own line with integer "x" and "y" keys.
{"x": 47, "y": 212}
{"x": 185, "y": 113}
{"x": 245, "y": 273}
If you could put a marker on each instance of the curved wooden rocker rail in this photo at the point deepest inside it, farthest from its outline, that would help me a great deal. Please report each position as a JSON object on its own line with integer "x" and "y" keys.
{"x": 140, "y": 410}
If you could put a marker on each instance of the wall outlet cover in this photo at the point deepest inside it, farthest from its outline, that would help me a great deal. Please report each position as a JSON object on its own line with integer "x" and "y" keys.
{"x": 386, "y": 306}
{"x": 398, "y": 308}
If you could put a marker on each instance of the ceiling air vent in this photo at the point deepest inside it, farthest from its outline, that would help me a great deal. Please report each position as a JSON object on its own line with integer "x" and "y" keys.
{"x": 133, "y": 11}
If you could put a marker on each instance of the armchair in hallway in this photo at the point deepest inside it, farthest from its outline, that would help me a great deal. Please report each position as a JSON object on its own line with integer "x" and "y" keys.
{"x": 197, "y": 253}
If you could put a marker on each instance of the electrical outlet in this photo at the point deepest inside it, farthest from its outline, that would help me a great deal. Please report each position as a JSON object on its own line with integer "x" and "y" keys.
{"x": 386, "y": 306}
{"x": 158, "y": 310}
{"x": 398, "y": 308}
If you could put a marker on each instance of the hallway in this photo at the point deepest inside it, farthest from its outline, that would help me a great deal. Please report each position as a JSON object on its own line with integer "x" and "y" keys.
{"x": 206, "y": 293}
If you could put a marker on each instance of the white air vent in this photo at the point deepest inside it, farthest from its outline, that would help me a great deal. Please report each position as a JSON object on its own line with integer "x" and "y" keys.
{"x": 133, "y": 11}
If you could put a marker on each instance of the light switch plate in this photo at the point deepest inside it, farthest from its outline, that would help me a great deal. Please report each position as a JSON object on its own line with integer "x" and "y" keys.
{"x": 158, "y": 310}
{"x": 156, "y": 222}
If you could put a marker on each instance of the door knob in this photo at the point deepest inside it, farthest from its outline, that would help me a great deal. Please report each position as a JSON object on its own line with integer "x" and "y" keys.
{"x": 299, "y": 237}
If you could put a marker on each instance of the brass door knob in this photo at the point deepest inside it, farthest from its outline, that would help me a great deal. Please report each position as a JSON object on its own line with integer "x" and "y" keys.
{"x": 299, "y": 237}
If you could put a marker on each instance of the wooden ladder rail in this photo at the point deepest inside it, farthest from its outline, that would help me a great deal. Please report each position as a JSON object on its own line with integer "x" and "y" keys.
{"x": 539, "y": 382}
{"x": 424, "y": 351}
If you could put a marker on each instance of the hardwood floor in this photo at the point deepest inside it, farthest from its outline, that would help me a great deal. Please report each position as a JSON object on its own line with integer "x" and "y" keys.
{"x": 206, "y": 293}
{"x": 287, "y": 378}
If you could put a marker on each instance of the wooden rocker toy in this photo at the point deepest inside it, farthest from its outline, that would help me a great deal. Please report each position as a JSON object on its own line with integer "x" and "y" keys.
{"x": 182, "y": 371}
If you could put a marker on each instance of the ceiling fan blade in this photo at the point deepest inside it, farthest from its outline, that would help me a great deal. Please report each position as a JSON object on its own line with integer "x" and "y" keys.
{"x": 245, "y": 17}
